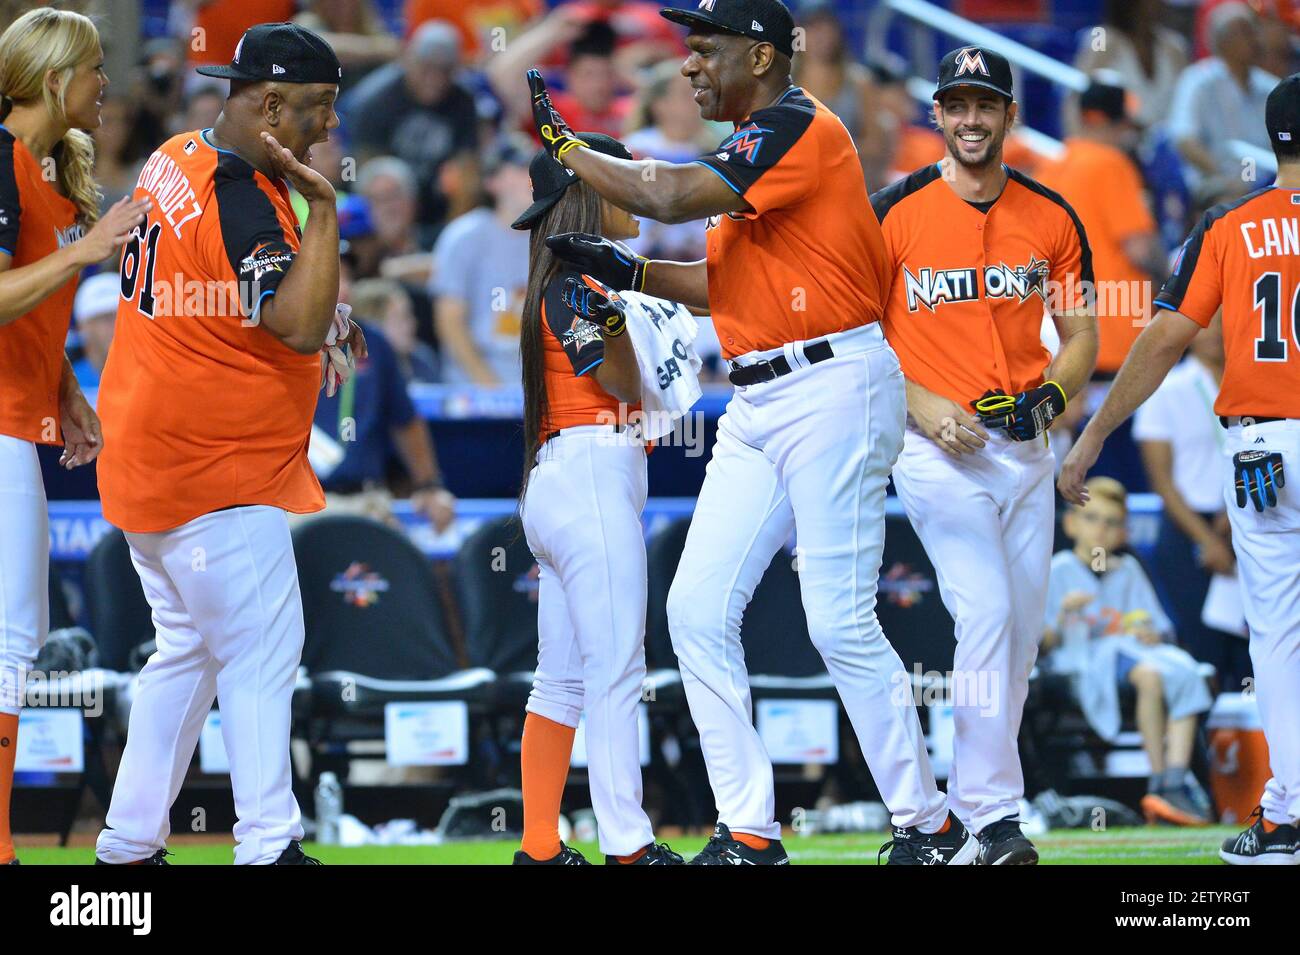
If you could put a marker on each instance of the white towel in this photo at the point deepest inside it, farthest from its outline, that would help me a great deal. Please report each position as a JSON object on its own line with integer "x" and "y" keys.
{"x": 662, "y": 335}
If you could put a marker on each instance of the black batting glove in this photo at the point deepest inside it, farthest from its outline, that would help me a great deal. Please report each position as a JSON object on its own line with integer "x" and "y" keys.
{"x": 554, "y": 132}
{"x": 1024, "y": 416}
{"x": 597, "y": 303}
{"x": 606, "y": 260}
{"x": 1258, "y": 477}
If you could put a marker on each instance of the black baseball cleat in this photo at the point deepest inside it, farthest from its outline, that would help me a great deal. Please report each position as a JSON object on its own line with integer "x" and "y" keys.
{"x": 1255, "y": 846}
{"x": 911, "y": 846}
{"x": 722, "y": 849}
{"x": 293, "y": 855}
{"x": 158, "y": 858}
{"x": 1002, "y": 843}
{"x": 566, "y": 856}
{"x": 657, "y": 853}
{"x": 13, "y": 862}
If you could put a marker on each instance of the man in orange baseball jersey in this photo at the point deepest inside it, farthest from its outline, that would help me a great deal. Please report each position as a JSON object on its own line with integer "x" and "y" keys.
{"x": 977, "y": 252}
{"x": 1244, "y": 258}
{"x": 795, "y": 278}
{"x": 207, "y": 402}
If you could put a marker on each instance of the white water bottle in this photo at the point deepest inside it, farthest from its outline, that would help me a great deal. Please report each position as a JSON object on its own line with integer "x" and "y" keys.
{"x": 329, "y": 807}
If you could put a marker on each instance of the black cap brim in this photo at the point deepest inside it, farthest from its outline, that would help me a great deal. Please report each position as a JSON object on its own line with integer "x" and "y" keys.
{"x": 225, "y": 72}
{"x": 537, "y": 210}
{"x": 958, "y": 84}
{"x": 601, "y": 143}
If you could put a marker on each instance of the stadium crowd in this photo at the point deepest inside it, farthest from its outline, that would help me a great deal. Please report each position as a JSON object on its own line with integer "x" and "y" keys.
{"x": 430, "y": 166}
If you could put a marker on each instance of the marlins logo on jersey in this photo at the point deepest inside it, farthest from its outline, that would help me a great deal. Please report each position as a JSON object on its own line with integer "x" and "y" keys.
{"x": 932, "y": 287}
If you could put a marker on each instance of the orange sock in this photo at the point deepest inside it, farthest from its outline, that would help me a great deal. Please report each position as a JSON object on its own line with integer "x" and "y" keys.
{"x": 544, "y": 758}
{"x": 628, "y": 860}
{"x": 751, "y": 840}
{"x": 8, "y": 752}
{"x": 947, "y": 824}
{"x": 1268, "y": 827}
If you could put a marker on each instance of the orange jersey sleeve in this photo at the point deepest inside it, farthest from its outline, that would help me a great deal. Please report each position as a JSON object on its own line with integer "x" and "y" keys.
{"x": 1195, "y": 287}
{"x": 203, "y": 408}
{"x": 35, "y": 221}
{"x": 1245, "y": 258}
{"x": 808, "y": 259}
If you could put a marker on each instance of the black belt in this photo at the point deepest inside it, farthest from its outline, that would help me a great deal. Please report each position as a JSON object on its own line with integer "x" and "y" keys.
{"x": 618, "y": 427}
{"x": 1254, "y": 419}
{"x": 768, "y": 369}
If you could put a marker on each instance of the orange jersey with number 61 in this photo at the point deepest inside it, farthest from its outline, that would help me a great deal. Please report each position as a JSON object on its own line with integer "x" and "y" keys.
{"x": 203, "y": 408}
{"x": 1245, "y": 257}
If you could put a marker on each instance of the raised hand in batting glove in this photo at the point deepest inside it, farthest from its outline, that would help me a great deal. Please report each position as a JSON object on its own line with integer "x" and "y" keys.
{"x": 337, "y": 363}
{"x": 606, "y": 260}
{"x": 597, "y": 303}
{"x": 1258, "y": 477}
{"x": 554, "y": 132}
{"x": 1024, "y": 416}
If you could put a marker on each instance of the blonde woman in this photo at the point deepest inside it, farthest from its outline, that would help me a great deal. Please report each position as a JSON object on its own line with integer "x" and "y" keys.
{"x": 51, "y": 88}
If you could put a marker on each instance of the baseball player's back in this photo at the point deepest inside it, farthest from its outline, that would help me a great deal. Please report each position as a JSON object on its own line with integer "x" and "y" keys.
{"x": 809, "y": 260}
{"x": 966, "y": 303}
{"x": 1245, "y": 255}
{"x": 194, "y": 398}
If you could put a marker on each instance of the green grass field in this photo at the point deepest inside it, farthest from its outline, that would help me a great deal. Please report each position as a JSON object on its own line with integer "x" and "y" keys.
{"x": 1081, "y": 847}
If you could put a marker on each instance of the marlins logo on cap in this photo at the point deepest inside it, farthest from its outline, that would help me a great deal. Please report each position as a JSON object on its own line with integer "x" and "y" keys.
{"x": 971, "y": 60}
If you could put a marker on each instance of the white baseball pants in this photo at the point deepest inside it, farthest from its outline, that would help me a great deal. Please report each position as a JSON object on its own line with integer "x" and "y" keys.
{"x": 24, "y": 568}
{"x": 582, "y": 519}
{"x": 986, "y": 521}
{"x": 809, "y": 452}
{"x": 1268, "y": 560}
{"x": 228, "y": 619}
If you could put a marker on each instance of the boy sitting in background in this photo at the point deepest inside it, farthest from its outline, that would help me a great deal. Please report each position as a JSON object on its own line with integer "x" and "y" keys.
{"x": 1105, "y": 628}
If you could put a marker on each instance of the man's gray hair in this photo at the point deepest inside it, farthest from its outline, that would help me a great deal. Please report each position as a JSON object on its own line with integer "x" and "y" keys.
{"x": 392, "y": 167}
{"x": 1222, "y": 18}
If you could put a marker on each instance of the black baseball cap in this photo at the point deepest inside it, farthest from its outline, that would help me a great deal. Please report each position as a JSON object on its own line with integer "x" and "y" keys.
{"x": 551, "y": 177}
{"x": 1282, "y": 112}
{"x": 1109, "y": 99}
{"x": 284, "y": 52}
{"x": 975, "y": 66}
{"x": 766, "y": 20}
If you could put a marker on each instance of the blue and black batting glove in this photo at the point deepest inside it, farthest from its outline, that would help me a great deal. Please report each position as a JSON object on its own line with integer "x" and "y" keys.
{"x": 607, "y": 260}
{"x": 1024, "y": 416}
{"x": 1259, "y": 477}
{"x": 597, "y": 303}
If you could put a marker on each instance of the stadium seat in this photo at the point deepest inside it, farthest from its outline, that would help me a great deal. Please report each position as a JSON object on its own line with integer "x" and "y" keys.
{"x": 908, "y": 604}
{"x": 120, "y": 618}
{"x": 778, "y": 652}
{"x": 497, "y": 583}
{"x": 376, "y": 631}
